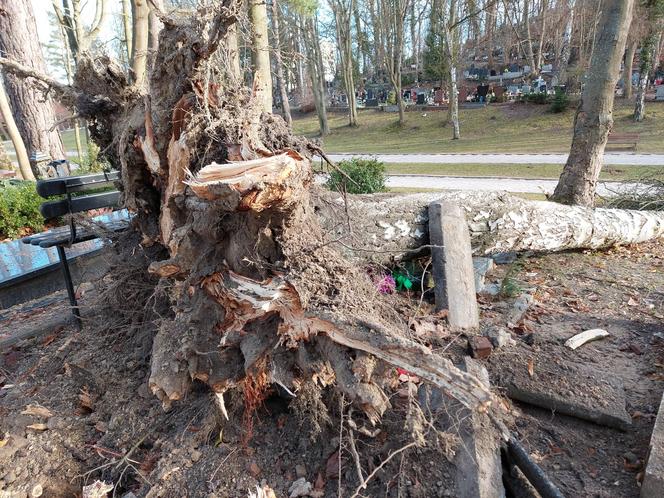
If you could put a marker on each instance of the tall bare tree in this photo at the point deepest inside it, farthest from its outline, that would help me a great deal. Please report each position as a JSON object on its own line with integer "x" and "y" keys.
{"x": 648, "y": 54}
{"x": 279, "y": 63}
{"x": 261, "y": 52}
{"x": 32, "y": 111}
{"x": 594, "y": 117}
{"x": 393, "y": 17}
{"x": 15, "y": 136}
{"x": 311, "y": 39}
{"x": 140, "y": 16}
{"x": 343, "y": 10}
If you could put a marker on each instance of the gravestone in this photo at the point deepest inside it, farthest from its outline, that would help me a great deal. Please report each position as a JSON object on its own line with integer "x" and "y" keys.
{"x": 452, "y": 261}
{"x": 659, "y": 92}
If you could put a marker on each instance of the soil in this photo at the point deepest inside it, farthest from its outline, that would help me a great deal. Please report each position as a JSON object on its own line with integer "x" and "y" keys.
{"x": 105, "y": 425}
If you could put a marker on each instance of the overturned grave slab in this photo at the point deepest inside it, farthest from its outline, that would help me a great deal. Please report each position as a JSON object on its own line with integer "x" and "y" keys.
{"x": 576, "y": 390}
{"x": 653, "y": 477}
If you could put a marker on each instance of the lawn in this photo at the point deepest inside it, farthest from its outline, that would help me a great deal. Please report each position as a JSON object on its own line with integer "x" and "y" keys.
{"x": 515, "y": 128}
{"x": 518, "y": 170}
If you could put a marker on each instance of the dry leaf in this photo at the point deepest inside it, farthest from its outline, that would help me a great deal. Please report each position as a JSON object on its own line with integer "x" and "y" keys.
{"x": 632, "y": 302}
{"x": 85, "y": 400}
{"x": 531, "y": 367}
{"x": 38, "y": 411}
{"x": 4, "y": 441}
{"x": 37, "y": 427}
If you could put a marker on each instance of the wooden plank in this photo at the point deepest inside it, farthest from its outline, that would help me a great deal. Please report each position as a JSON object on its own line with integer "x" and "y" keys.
{"x": 452, "y": 263}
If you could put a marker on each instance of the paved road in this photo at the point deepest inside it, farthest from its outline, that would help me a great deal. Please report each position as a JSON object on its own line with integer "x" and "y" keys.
{"x": 488, "y": 184}
{"x": 613, "y": 158}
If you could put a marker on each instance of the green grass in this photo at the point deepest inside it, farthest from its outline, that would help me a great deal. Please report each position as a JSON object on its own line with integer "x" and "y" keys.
{"x": 518, "y": 170}
{"x": 516, "y": 128}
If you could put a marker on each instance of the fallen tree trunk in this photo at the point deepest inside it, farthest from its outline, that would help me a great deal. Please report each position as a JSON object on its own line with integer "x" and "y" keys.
{"x": 385, "y": 227}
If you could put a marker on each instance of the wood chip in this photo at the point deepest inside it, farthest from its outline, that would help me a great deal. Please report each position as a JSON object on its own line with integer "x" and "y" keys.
{"x": 37, "y": 427}
{"x": 584, "y": 337}
{"x": 38, "y": 411}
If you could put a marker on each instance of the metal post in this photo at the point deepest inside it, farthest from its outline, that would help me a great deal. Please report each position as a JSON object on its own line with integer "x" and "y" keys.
{"x": 68, "y": 282}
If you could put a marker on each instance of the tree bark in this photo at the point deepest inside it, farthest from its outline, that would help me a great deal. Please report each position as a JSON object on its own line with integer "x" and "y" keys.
{"x": 451, "y": 55}
{"x": 233, "y": 53}
{"x": 261, "y": 52}
{"x": 140, "y": 13}
{"x": 629, "y": 68}
{"x": 127, "y": 27}
{"x": 594, "y": 117}
{"x": 285, "y": 105}
{"x": 316, "y": 72}
{"x": 33, "y": 113}
{"x": 15, "y": 136}
{"x": 386, "y": 228}
{"x": 647, "y": 56}
{"x": 567, "y": 41}
{"x": 342, "y": 10}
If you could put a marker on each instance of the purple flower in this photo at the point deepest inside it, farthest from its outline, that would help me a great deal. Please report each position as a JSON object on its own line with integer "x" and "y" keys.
{"x": 386, "y": 285}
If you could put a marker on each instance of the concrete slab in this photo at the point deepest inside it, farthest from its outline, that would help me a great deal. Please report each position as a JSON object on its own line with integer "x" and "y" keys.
{"x": 653, "y": 477}
{"x": 478, "y": 463}
{"x": 582, "y": 392}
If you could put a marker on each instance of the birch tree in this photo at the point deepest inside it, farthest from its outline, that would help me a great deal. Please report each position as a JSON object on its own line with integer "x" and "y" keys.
{"x": 594, "y": 117}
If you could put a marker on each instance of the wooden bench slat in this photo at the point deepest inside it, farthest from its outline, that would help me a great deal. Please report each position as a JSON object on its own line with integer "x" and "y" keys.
{"x": 53, "y": 209}
{"x": 60, "y": 186}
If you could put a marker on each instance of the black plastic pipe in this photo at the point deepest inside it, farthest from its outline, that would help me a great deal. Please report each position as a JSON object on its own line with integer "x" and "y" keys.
{"x": 531, "y": 470}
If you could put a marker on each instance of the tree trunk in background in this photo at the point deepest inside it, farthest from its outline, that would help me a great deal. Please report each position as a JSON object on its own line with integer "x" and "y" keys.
{"x": 233, "y": 53}
{"x": 15, "y": 136}
{"x": 140, "y": 13}
{"x": 490, "y": 28}
{"x": 629, "y": 68}
{"x": 316, "y": 72}
{"x": 393, "y": 14}
{"x": 285, "y": 105}
{"x": 534, "y": 71}
{"x": 154, "y": 27}
{"x": 565, "y": 51}
{"x": 647, "y": 55}
{"x": 540, "y": 47}
{"x": 343, "y": 10}
{"x": 126, "y": 24}
{"x": 32, "y": 111}
{"x": 594, "y": 117}
{"x": 261, "y": 52}
{"x": 450, "y": 53}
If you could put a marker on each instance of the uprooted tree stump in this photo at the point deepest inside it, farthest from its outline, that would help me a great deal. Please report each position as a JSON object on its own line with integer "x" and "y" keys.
{"x": 264, "y": 272}
{"x": 258, "y": 294}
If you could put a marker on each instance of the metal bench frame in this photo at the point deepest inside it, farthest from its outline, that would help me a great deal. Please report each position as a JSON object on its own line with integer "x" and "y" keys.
{"x": 67, "y": 235}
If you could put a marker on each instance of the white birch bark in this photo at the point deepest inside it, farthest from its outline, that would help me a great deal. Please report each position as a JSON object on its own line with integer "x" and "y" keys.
{"x": 385, "y": 228}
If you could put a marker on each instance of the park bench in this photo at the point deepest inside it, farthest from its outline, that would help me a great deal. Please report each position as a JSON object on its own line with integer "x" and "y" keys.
{"x": 71, "y": 201}
{"x": 623, "y": 141}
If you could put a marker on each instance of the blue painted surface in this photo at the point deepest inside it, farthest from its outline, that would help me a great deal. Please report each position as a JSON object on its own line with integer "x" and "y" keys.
{"x": 17, "y": 258}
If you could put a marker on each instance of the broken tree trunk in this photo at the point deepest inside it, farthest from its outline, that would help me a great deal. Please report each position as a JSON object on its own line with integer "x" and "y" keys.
{"x": 383, "y": 228}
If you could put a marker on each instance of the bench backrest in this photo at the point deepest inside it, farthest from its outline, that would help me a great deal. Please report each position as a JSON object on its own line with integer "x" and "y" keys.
{"x": 74, "y": 184}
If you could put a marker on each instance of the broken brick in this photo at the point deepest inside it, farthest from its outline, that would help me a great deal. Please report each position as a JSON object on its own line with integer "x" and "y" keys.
{"x": 480, "y": 347}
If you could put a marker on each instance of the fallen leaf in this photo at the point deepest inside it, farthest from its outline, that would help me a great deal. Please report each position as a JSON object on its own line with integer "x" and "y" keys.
{"x": 332, "y": 466}
{"x": 38, "y": 411}
{"x": 632, "y": 302}
{"x": 531, "y": 367}
{"x": 37, "y": 427}
{"x": 4, "y": 441}
{"x": 320, "y": 482}
{"x": 85, "y": 400}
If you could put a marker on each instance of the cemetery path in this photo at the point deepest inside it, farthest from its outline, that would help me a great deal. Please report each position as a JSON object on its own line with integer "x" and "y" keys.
{"x": 520, "y": 185}
{"x": 612, "y": 158}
